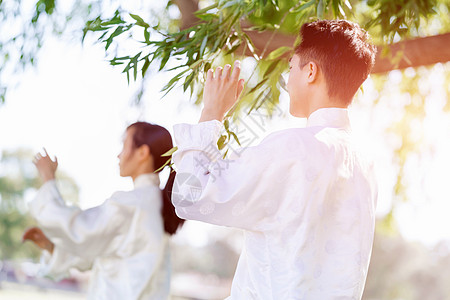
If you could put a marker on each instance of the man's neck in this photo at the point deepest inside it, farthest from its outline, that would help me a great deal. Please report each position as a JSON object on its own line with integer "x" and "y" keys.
{"x": 324, "y": 101}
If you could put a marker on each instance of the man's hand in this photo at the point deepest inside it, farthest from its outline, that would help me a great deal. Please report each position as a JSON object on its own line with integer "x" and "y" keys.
{"x": 222, "y": 90}
{"x": 46, "y": 166}
{"x": 36, "y": 235}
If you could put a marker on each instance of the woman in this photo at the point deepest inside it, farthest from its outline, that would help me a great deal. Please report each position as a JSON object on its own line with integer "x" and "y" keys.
{"x": 124, "y": 240}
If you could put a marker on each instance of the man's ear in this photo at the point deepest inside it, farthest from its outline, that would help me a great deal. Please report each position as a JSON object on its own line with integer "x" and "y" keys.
{"x": 313, "y": 71}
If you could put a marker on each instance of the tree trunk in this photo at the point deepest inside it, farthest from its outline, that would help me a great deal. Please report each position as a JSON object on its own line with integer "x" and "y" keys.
{"x": 414, "y": 53}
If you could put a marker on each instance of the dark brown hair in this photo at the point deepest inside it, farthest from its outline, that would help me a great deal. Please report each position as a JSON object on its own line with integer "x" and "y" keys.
{"x": 159, "y": 141}
{"x": 343, "y": 52}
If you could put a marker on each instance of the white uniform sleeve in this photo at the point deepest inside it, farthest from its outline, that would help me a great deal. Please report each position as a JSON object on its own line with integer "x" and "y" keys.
{"x": 81, "y": 233}
{"x": 237, "y": 192}
{"x": 58, "y": 264}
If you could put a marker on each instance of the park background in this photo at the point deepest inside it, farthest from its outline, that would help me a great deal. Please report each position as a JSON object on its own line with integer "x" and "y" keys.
{"x": 66, "y": 96}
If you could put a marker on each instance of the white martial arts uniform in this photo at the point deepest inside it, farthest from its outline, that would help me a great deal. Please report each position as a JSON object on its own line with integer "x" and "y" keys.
{"x": 122, "y": 240}
{"x": 305, "y": 198}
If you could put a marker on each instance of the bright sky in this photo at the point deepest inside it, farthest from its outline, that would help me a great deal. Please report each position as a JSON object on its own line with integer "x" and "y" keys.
{"x": 78, "y": 106}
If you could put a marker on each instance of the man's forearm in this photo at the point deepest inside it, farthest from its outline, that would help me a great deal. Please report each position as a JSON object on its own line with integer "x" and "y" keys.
{"x": 208, "y": 115}
{"x": 48, "y": 177}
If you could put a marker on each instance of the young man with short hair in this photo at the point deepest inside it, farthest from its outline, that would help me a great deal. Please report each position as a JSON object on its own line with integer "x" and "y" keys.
{"x": 304, "y": 197}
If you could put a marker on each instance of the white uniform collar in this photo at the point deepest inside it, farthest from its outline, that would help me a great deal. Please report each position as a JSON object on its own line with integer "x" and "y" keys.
{"x": 329, "y": 117}
{"x": 146, "y": 179}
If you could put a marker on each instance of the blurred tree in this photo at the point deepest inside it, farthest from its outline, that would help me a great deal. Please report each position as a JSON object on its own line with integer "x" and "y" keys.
{"x": 206, "y": 260}
{"x": 407, "y": 270}
{"x": 18, "y": 180}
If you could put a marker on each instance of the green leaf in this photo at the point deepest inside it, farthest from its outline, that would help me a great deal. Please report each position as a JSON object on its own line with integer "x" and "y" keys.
{"x": 145, "y": 66}
{"x": 207, "y": 17}
{"x": 118, "y": 60}
{"x": 140, "y": 21}
{"x": 114, "y": 20}
{"x": 137, "y": 18}
{"x": 164, "y": 61}
{"x": 256, "y": 101}
{"x": 320, "y": 9}
{"x": 282, "y": 83}
{"x": 234, "y": 48}
{"x": 204, "y": 10}
{"x": 235, "y": 137}
{"x": 170, "y": 152}
{"x": 207, "y": 67}
{"x": 117, "y": 32}
{"x": 271, "y": 67}
{"x": 302, "y": 7}
{"x": 173, "y": 80}
{"x": 258, "y": 85}
{"x": 251, "y": 46}
{"x": 171, "y": 84}
{"x": 262, "y": 27}
{"x": 264, "y": 99}
{"x": 203, "y": 46}
{"x": 275, "y": 4}
{"x": 135, "y": 65}
{"x": 347, "y": 3}
{"x": 165, "y": 164}
{"x": 102, "y": 36}
{"x": 278, "y": 52}
{"x": 228, "y": 3}
{"x": 217, "y": 44}
{"x": 188, "y": 81}
{"x": 221, "y": 142}
{"x": 147, "y": 36}
{"x": 196, "y": 64}
{"x": 335, "y": 5}
{"x": 225, "y": 154}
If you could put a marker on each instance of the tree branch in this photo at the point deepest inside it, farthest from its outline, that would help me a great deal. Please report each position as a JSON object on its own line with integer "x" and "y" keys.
{"x": 417, "y": 52}
{"x": 413, "y": 53}
{"x": 410, "y": 53}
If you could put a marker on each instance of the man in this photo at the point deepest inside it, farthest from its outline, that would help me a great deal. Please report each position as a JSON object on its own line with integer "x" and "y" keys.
{"x": 304, "y": 196}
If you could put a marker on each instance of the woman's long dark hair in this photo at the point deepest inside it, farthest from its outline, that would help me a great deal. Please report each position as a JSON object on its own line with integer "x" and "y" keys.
{"x": 159, "y": 141}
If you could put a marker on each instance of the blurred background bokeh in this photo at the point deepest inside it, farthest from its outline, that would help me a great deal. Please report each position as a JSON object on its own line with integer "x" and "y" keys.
{"x": 76, "y": 99}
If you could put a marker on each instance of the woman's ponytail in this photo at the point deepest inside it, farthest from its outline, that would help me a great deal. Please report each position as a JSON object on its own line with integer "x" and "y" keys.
{"x": 171, "y": 221}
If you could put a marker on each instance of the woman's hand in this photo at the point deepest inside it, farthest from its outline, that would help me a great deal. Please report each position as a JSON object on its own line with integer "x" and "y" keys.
{"x": 221, "y": 92}
{"x": 36, "y": 235}
{"x": 46, "y": 166}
